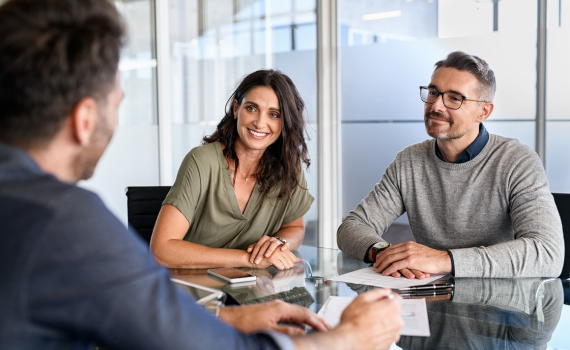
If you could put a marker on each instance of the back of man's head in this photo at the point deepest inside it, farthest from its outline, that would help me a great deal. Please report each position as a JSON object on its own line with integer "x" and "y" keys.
{"x": 476, "y": 66}
{"x": 53, "y": 53}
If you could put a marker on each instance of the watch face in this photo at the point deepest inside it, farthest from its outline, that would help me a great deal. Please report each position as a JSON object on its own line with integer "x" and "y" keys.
{"x": 381, "y": 245}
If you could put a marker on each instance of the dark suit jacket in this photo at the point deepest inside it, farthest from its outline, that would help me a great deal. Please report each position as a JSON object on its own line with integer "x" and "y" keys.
{"x": 71, "y": 274}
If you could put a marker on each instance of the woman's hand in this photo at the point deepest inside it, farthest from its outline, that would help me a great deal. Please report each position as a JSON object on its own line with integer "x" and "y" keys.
{"x": 264, "y": 248}
{"x": 280, "y": 260}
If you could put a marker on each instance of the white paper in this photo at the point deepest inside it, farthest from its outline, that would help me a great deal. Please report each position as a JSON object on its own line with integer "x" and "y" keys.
{"x": 413, "y": 312}
{"x": 368, "y": 276}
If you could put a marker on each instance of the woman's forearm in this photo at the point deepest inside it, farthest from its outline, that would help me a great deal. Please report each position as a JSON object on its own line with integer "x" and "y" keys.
{"x": 176, "y": 253}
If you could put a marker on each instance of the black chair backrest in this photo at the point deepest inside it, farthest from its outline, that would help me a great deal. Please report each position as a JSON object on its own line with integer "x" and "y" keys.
{"x": 143, "y": 206}
{"x": 563, "y": 204}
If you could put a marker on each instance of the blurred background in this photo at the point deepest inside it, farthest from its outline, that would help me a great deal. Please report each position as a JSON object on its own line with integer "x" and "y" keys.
{"x": 357, "y": 64}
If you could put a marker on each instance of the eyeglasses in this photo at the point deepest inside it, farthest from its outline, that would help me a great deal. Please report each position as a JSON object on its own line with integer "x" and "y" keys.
{"x": 451, "y": 100}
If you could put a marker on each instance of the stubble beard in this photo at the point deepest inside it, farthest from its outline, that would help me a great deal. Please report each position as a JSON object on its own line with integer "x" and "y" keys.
{"x": 445, "y": 135}
{"x": 87, "y": 161}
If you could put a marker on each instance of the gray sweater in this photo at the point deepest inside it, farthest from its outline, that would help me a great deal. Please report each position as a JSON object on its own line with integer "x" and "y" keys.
{"x": 494, "y": 213}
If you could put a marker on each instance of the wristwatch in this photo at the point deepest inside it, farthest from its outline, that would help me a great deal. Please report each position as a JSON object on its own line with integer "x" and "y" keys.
{"x": 283, "y": 240}
{"x": 380, "y": 246}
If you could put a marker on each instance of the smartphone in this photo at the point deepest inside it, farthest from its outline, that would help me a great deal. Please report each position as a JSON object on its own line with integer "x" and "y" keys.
{"x": 231, "y": 274}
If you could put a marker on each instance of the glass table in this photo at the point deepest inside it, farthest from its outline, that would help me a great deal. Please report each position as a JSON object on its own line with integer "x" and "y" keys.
{"x": 524, "y": 313}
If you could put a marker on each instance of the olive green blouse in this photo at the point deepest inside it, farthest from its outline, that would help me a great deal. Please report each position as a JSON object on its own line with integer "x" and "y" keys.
{"x": 204, "y": 194}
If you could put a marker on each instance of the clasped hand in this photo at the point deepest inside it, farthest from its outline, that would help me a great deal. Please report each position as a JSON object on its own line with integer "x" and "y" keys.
{"x": 265, "y": 253}
{"x": 412, "y": 260}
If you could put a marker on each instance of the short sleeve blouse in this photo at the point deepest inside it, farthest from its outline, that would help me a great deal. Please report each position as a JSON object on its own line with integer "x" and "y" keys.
{"x": 204, "y": 194}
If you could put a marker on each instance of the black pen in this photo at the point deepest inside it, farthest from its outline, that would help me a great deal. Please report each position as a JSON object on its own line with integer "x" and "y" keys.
{"x": 430, "y": 286}
{"x": 427, "y": 293}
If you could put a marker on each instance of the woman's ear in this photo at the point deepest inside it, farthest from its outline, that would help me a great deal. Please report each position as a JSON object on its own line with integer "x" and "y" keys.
{"x": 235, "y": 106}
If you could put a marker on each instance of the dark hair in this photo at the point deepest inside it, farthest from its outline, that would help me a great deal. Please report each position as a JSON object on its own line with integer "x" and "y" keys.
{"x": 281, "y": 162}
{"x": 53, "y": 53}
{"x": 476, "y": 66}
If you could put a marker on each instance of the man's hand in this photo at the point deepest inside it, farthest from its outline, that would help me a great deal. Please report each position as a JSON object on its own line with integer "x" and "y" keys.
{"x": 371, "y": 321}
{"x": 264, "y": 248}
{"x": 256, "y": 317}
{"x": 412, "y": 260}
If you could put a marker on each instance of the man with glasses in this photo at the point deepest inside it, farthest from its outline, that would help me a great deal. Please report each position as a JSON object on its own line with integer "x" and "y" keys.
{"x": 478, "y": 204}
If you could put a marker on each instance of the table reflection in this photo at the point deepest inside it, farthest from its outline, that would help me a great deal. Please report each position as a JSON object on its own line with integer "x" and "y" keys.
{"x": 481, "y": 314}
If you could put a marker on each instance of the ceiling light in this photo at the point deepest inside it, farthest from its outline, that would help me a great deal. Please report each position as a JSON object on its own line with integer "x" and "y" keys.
{"x": 382, "y": 15}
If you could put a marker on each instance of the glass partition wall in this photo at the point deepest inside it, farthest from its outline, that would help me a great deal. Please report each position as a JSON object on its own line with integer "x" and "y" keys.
{"x": 132, "y": 157}
{"x": 558, "y": 113}
{"x": 389, "y": 48}
{"x": 215, "y": 43}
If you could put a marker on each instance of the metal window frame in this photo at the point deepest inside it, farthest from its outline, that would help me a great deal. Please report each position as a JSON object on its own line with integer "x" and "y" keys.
{"x": 163, "y": 84}
{"x": 541, "y": 81}
{"x": 328, "y": 112}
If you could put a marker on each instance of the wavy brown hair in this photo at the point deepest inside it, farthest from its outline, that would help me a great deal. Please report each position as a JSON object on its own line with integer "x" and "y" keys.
{"x": 281, "y": 163}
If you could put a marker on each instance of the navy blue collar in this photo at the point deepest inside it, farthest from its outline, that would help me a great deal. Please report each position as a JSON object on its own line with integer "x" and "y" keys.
{"x": 15, "y": 163}
{"x": 474, "y": 148}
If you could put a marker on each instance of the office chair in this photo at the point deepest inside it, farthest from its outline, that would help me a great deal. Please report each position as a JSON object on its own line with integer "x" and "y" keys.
{"x": 143, "y": 205}
{"x": 563, "y": 204}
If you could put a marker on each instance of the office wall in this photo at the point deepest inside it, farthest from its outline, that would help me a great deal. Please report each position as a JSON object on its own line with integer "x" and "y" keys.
{"x": 385, "y": 60}
{"x": 132, "y": 156}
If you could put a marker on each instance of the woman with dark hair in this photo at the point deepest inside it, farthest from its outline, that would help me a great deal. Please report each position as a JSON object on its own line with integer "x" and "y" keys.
{"x": 239, "y": 199}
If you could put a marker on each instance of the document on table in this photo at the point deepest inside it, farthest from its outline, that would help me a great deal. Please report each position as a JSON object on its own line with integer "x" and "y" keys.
{"x": 368, "y": 276}
{"x": 413, "y": 312}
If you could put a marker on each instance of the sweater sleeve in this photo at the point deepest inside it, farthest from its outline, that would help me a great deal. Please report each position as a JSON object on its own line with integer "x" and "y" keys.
{"x": 365, "y": 225}
{"x": 537, "y": 249}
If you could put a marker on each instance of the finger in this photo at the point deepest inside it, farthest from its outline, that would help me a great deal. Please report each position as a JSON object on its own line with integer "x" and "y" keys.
{"x": 290, "y": 259}
{"x": 274, "y": 244}
{"x": 396, "y": 266}
{"x": 293, "y": 256}
{"x": 396, "y": 274}
{"x": 277, "y": 263}
{"x": 391, "y": 259}
{"x": 408, "y": 274}
{"x": 250, "y": 248}
{"x": 393, "y": 249}
{"x": 289, "y": 330}
{"x": 419, "y": 274}
{"x": 300, "y": 315}
{"x": 374, "y": 295}
{"x": 256, "y": 247}
{"x": 253, "y": 255}
{"x": 263, "y": 250}
{"x": 284, "y": 247}
{"x": 259, "y": 250}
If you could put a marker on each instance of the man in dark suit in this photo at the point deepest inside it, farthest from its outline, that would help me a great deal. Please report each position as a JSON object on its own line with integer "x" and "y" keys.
{"x": 70, "y": 273}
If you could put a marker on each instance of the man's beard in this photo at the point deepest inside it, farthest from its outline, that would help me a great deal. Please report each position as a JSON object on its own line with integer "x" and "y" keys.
{"x": 86, "y": 162}
{"x": 445, "y": 136}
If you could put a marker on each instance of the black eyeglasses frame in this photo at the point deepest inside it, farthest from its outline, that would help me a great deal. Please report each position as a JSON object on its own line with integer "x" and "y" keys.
{"x": 464, "y": 98}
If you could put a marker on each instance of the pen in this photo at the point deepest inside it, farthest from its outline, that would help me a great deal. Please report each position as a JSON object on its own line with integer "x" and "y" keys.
{"x": 427, "y": 293}
{"x": 430, "y": 286}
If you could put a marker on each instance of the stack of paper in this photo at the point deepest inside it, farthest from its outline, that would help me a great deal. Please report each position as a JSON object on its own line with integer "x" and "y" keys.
{"x": 414, "y": 313}
{"x": 368, "y": 276}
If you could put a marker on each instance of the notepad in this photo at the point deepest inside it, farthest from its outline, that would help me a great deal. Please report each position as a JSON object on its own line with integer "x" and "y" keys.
{"x": 368, "y": 276}
{"x": 413, "y": 312}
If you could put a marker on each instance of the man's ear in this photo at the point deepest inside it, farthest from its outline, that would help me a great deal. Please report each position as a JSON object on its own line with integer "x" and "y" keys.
{"x": 84, "y": 119}
{"x": 486, "y": 111}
